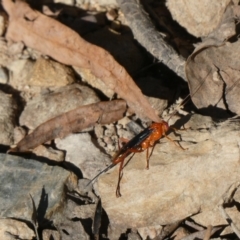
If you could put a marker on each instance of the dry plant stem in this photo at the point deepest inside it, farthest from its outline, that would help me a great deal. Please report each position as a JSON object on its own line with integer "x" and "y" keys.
{"x": 208, "y": 233}
{"x": 194, "y": 225}
{"x": 150, "y": 38}
{"x": 229, "y": 220}
{"x": 52, "y": 38}
{"x": 160, "y": 21}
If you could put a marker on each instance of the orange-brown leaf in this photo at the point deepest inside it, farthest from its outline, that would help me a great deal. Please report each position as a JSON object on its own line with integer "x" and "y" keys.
{"x": 72, "y": 121}
{"x": 66, "y": 46}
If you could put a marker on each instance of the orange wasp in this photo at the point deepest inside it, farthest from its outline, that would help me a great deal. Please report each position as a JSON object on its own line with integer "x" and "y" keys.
{"x": 142, "y": 141}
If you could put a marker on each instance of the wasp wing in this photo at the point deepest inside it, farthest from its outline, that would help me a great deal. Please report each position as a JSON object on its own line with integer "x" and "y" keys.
{"x": 136, "y": 141}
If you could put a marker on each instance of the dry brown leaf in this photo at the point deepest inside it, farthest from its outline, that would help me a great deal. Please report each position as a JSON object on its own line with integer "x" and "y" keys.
{"x": 216, "y": 70}
{"x": 72, "y": 121}
{"x": 63, "y": 44}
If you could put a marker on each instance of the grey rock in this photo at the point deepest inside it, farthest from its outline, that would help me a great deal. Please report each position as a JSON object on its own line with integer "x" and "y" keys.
{"x": 73, "y": 230}
{"x": 21, "y": 178}
{"x": 80, "y": 227}
{"x": 81, "y": 212}
{"x": 82, "y": 152}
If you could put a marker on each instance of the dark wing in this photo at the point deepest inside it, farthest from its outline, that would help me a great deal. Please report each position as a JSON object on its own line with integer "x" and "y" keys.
{"x": 136, "y": 141}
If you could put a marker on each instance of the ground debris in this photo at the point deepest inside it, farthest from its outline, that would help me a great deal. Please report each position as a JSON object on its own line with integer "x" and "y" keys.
{"x": 71, "y": 122}
{"x": 63, "y": 44}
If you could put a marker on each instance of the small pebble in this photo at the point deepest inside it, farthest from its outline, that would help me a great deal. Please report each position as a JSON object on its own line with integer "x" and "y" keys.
{"x": 111, "y": 14}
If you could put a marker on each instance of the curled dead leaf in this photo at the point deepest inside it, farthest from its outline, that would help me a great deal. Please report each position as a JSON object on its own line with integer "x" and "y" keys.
{"x": 216, "y": 69}
{"x": 73, "y": 121}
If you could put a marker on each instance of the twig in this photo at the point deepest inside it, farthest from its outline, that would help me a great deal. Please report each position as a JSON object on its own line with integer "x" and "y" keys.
{"x": 194, "y": 225}
{"x": 208, "y": 232}
{"x": 150, "y": 38}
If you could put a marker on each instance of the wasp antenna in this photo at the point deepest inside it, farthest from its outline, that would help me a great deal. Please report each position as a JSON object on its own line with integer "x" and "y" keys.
{"x": 103, "y": 171}
{"x": 188, "y": 96}
{"x": 200, "y": 85}
{"x": 181, "y": 104}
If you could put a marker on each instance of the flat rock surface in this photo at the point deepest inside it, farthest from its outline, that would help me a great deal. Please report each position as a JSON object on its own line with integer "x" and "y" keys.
{"x": 81, "y": 151}
{"x": 21, "y": 178}
{"x": 50, "y": 105}
{"x": 179, "y": 183}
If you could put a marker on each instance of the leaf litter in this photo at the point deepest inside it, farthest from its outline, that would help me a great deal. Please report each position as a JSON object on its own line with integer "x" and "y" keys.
{"x": 220, "y": 66}
{"x": 56, "y": 40}
{"x": 72, "y": 122}
{"x": 212, "y": 66}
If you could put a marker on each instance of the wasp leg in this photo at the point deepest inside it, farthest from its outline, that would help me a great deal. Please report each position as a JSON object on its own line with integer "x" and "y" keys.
{"x": 120, "y": 174}
{"x": 148, "y": 156}
{"x": 178, "y": 145}
{"x": 135, "y": 150}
